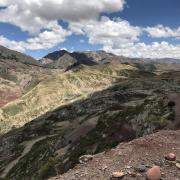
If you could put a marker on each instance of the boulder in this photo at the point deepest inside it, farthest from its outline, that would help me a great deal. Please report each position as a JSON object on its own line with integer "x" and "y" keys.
{"x": 153, "y": 173}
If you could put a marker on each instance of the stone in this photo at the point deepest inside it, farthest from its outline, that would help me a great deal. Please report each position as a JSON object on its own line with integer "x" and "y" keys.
{"x": 140, "y": 168}
{"x": 138, "y": 174}
{"x": 85, "y": 158}
{"x": 132, "y": 174}
{"x": 170, "y": 157}
{"x": 104, "y": 168}
{"x": 163, "y": 175}
{"x": 178, "y": 165}
{"x": 153, "y": 173}
{"x": 128, "y": 167}
{"x": 118, "y": 174}
{"x": 148, "y": 166}
{"x": 120, "y": 153}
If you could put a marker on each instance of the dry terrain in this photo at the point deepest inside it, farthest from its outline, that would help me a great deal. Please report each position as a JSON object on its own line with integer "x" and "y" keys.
{"x": 127, "y": 157}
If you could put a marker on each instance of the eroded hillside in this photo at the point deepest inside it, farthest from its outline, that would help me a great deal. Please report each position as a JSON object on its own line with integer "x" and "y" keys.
{"x": 51, "y": 91}
{"x": 17, "y": 74}
{"x": 52, "y": 144}
{"x": 50, "y": 117}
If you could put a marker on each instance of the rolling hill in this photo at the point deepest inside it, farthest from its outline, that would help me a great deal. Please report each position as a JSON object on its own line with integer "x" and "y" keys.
{"x": 67, "y": 105}
{"x": 54, "y": 90}
{"x": 96, "y": 108}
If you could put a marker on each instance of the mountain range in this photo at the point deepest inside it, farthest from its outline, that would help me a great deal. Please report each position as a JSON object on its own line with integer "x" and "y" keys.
{"x": 70, "y": 104}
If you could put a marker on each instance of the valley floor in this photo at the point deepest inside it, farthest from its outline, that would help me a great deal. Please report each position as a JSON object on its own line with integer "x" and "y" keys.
{"x": 146, "y": 151}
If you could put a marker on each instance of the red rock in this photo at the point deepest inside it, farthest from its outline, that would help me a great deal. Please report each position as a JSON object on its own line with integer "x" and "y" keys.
{"x": 154, "y": 173}
{"x": 118, "y": 174}
{"x": 170, "y": 157}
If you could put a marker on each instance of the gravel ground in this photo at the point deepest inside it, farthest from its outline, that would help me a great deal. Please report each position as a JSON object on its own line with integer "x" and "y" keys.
{"x": 128, "y": 157}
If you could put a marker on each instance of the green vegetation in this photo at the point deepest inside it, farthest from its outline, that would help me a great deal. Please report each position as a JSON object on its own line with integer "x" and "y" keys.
{"x": 46, "y": 94}
{"x": 35, "y": 81}
{"x": 40, "y": 158}
{"x": 86, "y": 111}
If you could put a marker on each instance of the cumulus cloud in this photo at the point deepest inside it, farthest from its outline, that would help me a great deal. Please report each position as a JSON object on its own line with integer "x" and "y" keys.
{"x": 11, "y": 44}
{"x": 49, "y": 38}
{"x": 40, "y": 19}
{"x": 33, "y": 15}
{"x": 107, "y": 32}
{"x": 3, "y": 3}
{"x": 161, "y": 31}
{"x": 120, "y": 37}
{"x": 153, "y": 50}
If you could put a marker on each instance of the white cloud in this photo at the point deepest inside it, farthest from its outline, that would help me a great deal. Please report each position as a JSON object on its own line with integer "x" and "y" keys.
{"x": 11, "y": 44}
{"x": 106, "y": 31}
{"x": 49, "y": 38}
{"x": 40, "y": 19}
{"x": 33, "y": 15}
{"x": 116, "y": 36}
{"x": 161, "y": 31}
{"x": 119, "y": 37}
{"x": 44, "y": 40}
{"x": 153, "y": 50}
{"x": 3, "y": 3}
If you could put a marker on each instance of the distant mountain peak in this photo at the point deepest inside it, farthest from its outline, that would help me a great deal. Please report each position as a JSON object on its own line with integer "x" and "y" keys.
{"x": 56, "y": 54}
{"x": 65, "y": 59}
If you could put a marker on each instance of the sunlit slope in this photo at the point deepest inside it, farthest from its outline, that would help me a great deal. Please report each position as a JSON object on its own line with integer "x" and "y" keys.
{"x": 55, "y": 90}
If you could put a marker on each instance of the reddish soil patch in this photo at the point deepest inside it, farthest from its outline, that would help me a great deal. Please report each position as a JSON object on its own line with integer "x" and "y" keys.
{"x": 148, "y": 150}
{"x": 8, "y": 96}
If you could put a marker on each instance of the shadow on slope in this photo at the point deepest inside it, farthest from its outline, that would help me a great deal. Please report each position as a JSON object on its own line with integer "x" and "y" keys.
{"x": 51, "y": 91}
{"x": 127, "y": 110}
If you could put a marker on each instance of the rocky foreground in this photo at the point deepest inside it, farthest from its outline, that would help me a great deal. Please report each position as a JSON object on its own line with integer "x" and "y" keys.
{"x": 153, "y": 157}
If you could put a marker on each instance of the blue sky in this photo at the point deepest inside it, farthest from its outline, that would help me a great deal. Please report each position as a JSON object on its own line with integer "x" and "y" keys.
{"x": 151, "y": 12}
{"x": 134, "y": 28}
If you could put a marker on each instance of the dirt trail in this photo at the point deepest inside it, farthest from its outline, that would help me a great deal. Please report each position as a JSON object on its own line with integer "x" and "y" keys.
{"x": 148, "y": 150}
{"x": 28, "y": 146}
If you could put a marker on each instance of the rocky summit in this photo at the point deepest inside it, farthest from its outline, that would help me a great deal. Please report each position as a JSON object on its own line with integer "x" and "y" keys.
{"x": 88, "y": 115}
